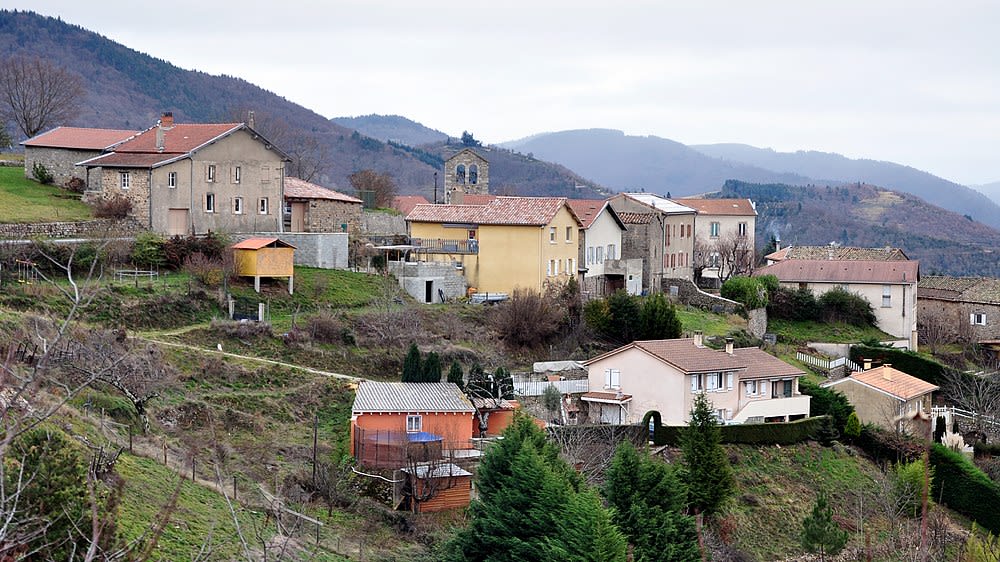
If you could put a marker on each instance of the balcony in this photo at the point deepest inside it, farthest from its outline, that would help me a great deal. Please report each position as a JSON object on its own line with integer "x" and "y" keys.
{"x": 615, "y": 267}
{"x": 442, "y": 246}
{"x": 796, "y": 405}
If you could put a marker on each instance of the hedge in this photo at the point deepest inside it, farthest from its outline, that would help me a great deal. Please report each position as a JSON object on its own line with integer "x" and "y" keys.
{"x": 964, "y": 488}
{"x": 885, "y": 446}
{"x": 906, "y": 361}
{"x": 986, "y": 449}
{"x": 749, "y": 433}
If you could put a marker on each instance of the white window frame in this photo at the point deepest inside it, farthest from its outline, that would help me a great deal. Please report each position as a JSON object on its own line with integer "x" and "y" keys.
{"x": 570, "y": 269}
{"x": 210, "y": 173}
{"x": 590, "y": 255}
{"x": 210, "y": 202}
{"x": 569, "y": 234}
{"x": 741, "y": 229}
{"x": 237, "y": 174}
{"x": 886, "y": 296}
{"x": 552, "y": 235}
{"x": 751, "y": 388}
{"x": 599, "y": 258}
{"x": 172, "y": 180}
{"x": 612, "y": 252}
{"x": 977, "y": 319}
{"x": 263, "y": 206}
{"x": 713, "y": 229}
{"x": 612, "y": 378}
{"x": 414, "y": 423}
{"x": 697, "y": 385}
{"x": 237, "y": 205}
{"x": 714, "y": 382}
{"x": 125, "y": 180}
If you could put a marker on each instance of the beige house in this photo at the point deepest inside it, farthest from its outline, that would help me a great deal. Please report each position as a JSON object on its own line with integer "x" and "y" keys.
{"x": 61, "y": 148}
{"x": 601, "y": 270}
{"x": 314, "y": 208}
{"x": 744, "y": 385}
{"x": 661, "y": 233}
{"x": 723, "y": 238}
{"x": 887, "y": 397}
{"x": 195, "y": 178}
{"x": 890, "y": 287}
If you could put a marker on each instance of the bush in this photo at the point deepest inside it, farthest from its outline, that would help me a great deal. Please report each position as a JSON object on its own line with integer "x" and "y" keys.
{"x": 526, "y": 319}
{"x": 748, "y": 291}
{"x": 75, "y": 184}
{"x": 41, "y": 173}
{"x": 210, "y": 272}
{"x": 623, "y": 318}
{"x": 964, "y": 488}
{"x": 798, "y": 305}
{"x": 908, "y": 485}
{"x": 889, "y": 446}
{"x": 770, "y": 283}
{"x": 114, "y": 208}
{"x": 327, "y": 328}
{"x": 839, "y": 305}
{"x": 750, "y": 433}
{"x": 148, "y": 250}
{"x": 826, "y": 402}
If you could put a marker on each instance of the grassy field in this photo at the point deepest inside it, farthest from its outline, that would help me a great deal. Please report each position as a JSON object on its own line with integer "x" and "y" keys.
{"x": 709, "y": 323}
{"x": 801, "y": 332}
{"x": 24, "y": 200}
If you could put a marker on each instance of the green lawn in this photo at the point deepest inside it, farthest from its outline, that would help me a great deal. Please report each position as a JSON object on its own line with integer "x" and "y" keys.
{"x": 24, "y": 200}
{"x": 709, "y": 323}
{"x": 801, "y": 332}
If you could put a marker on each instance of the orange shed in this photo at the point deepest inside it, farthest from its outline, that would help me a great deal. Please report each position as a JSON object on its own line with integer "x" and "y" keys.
{"x": 265, "y": 257}
{"x": 433, "y": 487}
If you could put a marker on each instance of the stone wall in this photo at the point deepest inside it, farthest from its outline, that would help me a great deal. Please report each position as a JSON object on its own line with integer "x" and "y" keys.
{"x": 413, "y": 277}
{"x": 326, "y": 215}
{"x": 82, "y": 229}
{"x": 137, "y": 192}
{"x": 59, "y": 162}
{"x": 689, "y": 294}
{"x": 757, "y": 322}
{"x": 328, "y": 250}
{"x": 377, "y": 223}
{"x": 466, "y": 158}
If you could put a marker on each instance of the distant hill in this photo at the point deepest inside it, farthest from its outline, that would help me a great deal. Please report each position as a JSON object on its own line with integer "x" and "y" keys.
{"x": 863, "y": 215}
{"x": 991, "y": 190}
{"x": 392, "y": 128}
{"x": 626, "y": 162}
{"x": 825, "y": 167}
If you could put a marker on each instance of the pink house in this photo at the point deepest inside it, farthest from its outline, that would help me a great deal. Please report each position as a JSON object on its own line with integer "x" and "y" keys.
{"x": 745, "y": 385}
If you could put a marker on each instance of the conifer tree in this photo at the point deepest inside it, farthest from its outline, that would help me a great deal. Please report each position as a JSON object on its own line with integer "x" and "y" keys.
{"x": 820, "y": 534}
{"x": 411, "y": 365}
{"x": 455, "y": 374}
{"x": 852, "y": 429}
{"x": 587, "y": 533}
{"x": 431, "y": 368}
{"x": 707, "y": 473}
{"x": 658, "y": 319}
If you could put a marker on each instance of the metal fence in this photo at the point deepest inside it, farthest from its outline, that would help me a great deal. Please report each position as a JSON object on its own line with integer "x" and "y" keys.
{"x": 537, "y": 388}
{"x": 827, "y": 364}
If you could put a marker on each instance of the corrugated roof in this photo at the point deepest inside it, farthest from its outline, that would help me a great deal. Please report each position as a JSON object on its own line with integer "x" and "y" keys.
{"x": 373, "y": 396}
{"x": 842, "y": 271}
{"x": 405, "y": 203}
{"x": 761, "y": 364}
{"x": 892, "y": 381}
{"x": 837, "y": 253}
{"x": 660, "y": 203}
{"x": 80, "y": 138}
{"x": 526, "y": 211}
{"x": 181, "y": 138}
{"x": 296, "y": 188}
{"x": 728, "y": 207}
{"x": 258, "y": 243}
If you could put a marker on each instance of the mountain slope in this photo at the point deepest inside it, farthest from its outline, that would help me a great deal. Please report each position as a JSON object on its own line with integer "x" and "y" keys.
{"x": 828, "y": 167}
{"x": 863, "y": 215}
{"x": 991, "y": 190}
{"x": 392, "y": 128}
{"x": 627, "y": 162}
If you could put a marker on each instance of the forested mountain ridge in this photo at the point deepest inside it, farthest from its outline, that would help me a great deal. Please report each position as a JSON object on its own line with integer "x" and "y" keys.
{"x": 869, "y": 216}
{"x": 392, "y": 128}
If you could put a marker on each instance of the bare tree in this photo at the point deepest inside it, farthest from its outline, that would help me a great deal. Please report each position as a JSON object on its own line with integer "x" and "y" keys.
{"x": 977, "y": 392}
{"x": 935, "y": 329}
{"x": 382, "y": 185}
{"x": 730, "y": 254}
{"x": 38, "y": 93}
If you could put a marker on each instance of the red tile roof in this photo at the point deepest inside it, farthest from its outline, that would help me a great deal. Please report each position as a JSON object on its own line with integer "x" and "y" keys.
{"x": 981, "y": 290}
{"x": 477, "y": 199}
{"x": 892, "y": 381}
{"x": 258, "y": 243}
{"x": 635, "y": 218}
{"x": 80, "y": 138}
{"x": 296, "y": 188}
{"x": 684, "y": 355}
{"x": 761, "y": 364}
{"x": 730, "y": 207}
{"x": 837, "y": 253}
{"x": 842, "y": 271}
{"x": 586, "y": 209}
{"x": 517, "y": 211}
{"x": 405, "y": 203}
{"x": 179, "y": 139}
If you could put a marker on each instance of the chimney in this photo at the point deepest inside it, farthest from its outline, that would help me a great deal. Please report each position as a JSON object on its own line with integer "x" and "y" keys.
{"x": 167, "y": 120}
{"x": 697, "y": 339}
{"x": 886, "y": 372}
{"x": 729, "y": 346}
{"x": 867, "y": 364}
{"x": 250, "y": 119}
{"x": 165, "y": 123}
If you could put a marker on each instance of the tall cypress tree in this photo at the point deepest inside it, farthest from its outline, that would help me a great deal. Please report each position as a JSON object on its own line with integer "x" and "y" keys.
{"x": 455, "y": 374}
{"x": 431, "y": 369}
{"x": 708, "y": 476}
{"x": 658, "y": 319}
{"x": 411, "y": 365}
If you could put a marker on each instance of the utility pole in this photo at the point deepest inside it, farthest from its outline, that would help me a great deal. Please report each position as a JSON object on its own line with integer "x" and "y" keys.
{"x": 435, "y": 188}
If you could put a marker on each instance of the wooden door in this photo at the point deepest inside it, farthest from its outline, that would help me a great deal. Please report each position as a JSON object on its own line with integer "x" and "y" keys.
{"x": 298, "y": 216}
{"x": 177, "y": 222}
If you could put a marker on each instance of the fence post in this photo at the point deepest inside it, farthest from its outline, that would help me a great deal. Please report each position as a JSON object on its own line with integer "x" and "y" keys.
{"x": 130, "y": 438}
{"x": 234, "y": 488}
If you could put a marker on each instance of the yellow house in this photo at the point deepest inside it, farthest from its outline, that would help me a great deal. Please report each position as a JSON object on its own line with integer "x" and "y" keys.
{"x": 264, "y": 257}
{"x": 506, "y": 243}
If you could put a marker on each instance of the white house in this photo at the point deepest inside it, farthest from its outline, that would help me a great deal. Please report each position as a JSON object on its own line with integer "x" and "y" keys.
{"x": 602, "y": 269}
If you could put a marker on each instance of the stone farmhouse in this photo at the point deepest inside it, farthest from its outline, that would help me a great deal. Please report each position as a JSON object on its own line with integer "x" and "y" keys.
{"x": 660, "y": 232}
{"x": 314, "y": 208}
{"x": 195, "y": 178}
{"x": 965, "y": 308}
{"x": 61, "y": 148}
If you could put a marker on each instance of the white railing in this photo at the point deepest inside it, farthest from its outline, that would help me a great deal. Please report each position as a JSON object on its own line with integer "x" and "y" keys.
{"x": 537, "y": 388}
{"x": 827, "y": 363}
{"x": 949, "y": 413}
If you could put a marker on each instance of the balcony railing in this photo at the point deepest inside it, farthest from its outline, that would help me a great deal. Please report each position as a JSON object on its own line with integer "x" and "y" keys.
{"x": 442, "y": 246}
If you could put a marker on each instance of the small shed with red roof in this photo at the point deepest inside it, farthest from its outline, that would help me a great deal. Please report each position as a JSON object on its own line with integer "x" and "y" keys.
{"x": 265, "y": 257}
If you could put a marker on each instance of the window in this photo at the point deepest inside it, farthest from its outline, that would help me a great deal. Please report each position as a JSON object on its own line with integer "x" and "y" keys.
{"x": 473, "y": 174}
{"x": 210, "y": 175}
{"x": 460, "y": 173}
{"x": 590, "y": 255}
{"x": 238, "y": 206}
{"x": 751, "y": 388}
{"x": 570, "y": 270}
{"x": 611, "y": 251}
{"x": 569, "y": 233}
{"x": 612, "y": 378}
{"x": 713, "y": 259}
{"x": 209, "y": 202}
{"x": 555, "y": 270}
{"x": 237, "y": 174}
{"x": 696, "y": 383}
{"x": 713, "y": 230}
{"x": 781, "y": 389}
{"x": 689, "y": 231}
{"x": 721, "y": 414}
{"x": 172, "y": 179}
{"x": 886, "y": 296}
{"x": 548, "y": 268}
{"x": 265, "y": 174}
{"x": 414, "y": 424}
{"x": 262, "y": 206}
{"x": 714, "y": 381}
{"x": 125, "y": 180}
{"x": 742, "y": 229}
{"x": 977, "y": 319}
{"x": 552, "y": 235}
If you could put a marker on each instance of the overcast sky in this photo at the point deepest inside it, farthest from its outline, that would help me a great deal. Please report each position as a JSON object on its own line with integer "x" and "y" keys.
{"x": 915, "y": 82}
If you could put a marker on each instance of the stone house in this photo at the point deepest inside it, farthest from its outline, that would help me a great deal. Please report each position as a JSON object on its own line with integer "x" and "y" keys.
{"x": 61, "y": 148}
{"x": 890, "y": 287}
{"x": 465, "y": 172}
{"x": 314, "y": 208}
{"x": 195, "y": 178}
{"x": 886, "y": 397}
{"x": 968, "y": 308}
{"x": 723, "y": 238}
{"x": 661, "y": 233}
{"x": 745, "y": 385}
{"x": 601, "y": 270}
